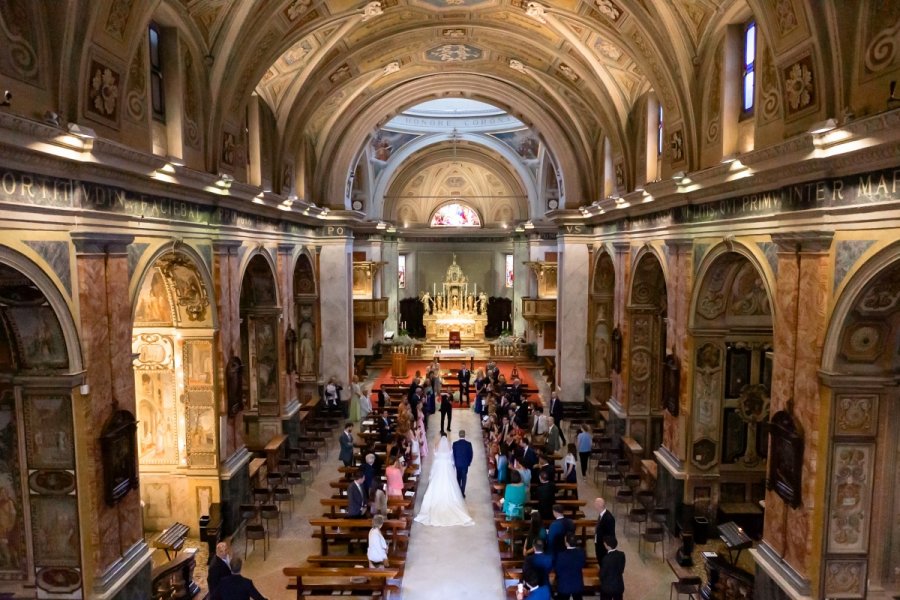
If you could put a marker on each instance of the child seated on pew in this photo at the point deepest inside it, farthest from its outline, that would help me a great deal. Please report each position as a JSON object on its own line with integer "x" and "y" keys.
{"x": 377, "y": 552}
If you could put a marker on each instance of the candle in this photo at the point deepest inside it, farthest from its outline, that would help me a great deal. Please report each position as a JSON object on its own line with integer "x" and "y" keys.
{"x": 476, "y": 289}
{"x": 434, "y": 289}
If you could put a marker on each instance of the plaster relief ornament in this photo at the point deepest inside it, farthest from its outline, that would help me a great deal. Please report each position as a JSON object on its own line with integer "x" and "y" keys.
{"x": 104, "y": 92}
{"x": 297, "y": 8}
{"x": 568, "y": 73}
{"x": 372, "y": 9}
{"x": 517, "y": 65}
{"x": 798, "y": 86}
{"x": 391, "y": 68}
{"x": 608, "y": 9}
{"x": 536, "y": 11}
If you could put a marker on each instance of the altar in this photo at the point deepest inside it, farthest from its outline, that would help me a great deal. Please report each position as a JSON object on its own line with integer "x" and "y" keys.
{"x": 455, "y": 307}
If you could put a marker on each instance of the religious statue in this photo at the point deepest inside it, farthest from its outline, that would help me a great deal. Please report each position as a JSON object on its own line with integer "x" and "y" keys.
{"x": 439, "y": 304}
{"x": 454, "y": 302}
{"x": 482, "y": 303}
{"x": 290, "y": 350}
{"x": 470, "y": 303}
{"x": 426, "y": 302}
{"x": 306, "y": 354}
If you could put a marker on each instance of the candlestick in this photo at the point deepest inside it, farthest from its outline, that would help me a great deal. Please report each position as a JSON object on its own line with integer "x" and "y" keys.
{"x": 476, "y": 290}
{"x": 434, "y": 289}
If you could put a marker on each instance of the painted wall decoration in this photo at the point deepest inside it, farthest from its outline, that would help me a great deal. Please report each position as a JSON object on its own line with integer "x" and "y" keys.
{"x": 156, "y": 413}
{"x": 48, "y": 423}
{"x": 198, "y": 362}
{"x": 455, "y": 215}
{"x": 58, "y": 514}
{"x": 13, "y": 553}
{"x": 453, "y": 53}
{"x": 154, "y": 306}
{"x": 851, "y": 491}
{"x": 38, "y": 336}
{"x": 190, "y": 293}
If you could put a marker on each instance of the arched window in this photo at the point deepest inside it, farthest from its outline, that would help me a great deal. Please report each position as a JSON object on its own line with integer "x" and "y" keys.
{"x": 455, "y": 214}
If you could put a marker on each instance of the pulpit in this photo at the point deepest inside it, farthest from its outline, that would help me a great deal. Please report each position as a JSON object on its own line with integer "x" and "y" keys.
{"x": 398, "y": 365}
{"x": 455, "y": 340}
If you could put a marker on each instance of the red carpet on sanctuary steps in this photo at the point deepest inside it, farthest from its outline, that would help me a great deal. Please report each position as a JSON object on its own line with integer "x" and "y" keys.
{"x": 449, "y": 378}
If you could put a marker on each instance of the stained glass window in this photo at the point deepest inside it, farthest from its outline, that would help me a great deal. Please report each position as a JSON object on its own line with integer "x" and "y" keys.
{"x": 455, "y": 215}
{"x": 659, "y": 131}
{"x": 748, "y": 83}
{"x": 401, "y": 270}
{"x": 510, "y": 275}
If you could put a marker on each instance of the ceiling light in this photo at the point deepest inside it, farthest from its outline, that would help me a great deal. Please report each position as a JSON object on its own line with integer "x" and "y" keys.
{"x": 82, "y": 131}
{"x": 823, "y": 127}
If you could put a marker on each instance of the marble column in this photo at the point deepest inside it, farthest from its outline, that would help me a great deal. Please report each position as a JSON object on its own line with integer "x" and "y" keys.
{"x": 284, "y": 266}
{"x": 520, "y": 283}
{"x": 390, "y": 282}
{"x": 680, "y": 266}
{"x": 227, "y": 295}
{"x": 571, "y": 315}
{"x": 801, "y": 300}
{"x": 376, "y": 255}
{"x": 107, "y": 533}
{"x": 336, "y": 298}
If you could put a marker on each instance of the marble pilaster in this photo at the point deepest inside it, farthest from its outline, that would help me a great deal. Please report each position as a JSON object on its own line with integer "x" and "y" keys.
{"x": 620, "y": 318}
{"x": 284, "y": 266}
{"x": 105, "y": 314}
{"x": 336, "y": 298}
{"x": 227, "y": 294}
{"x": 801, "y": 300}
{"x": 520, "y": 283}
{"x": 390, "y": 281}
{"x": 571, "y": 316}
{"x": 680, "y": 261}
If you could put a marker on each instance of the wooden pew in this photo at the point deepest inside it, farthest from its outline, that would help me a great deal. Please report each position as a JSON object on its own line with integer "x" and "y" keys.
{"x": 396, "y": 506}
{"x": 170, "y": 538}
{"x": 352, "y": 530}
{"x": 343, "y": 580}
{"x": 345, "y": 560}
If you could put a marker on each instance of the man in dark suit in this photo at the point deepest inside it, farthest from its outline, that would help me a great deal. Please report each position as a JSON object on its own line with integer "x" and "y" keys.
{"x": 606, "y": 527}
{"x": 568, "y": 566}
{"x": 545, "y": 494}
{"x": 384, "y": 427}
{"x": 446, "y": 410}
{"x": 539, "y": 563}
{"x": 356, "y": 495}
{"x": 529, "y": 458}
{"x": 556, "y": 534}
{"x": 462, "y": 458}
{"x": 514, "y": 391}
{"x": 219, "y": 567}
{"x": 236, "y": 586}
{"x": 556, "y": 411}
{"x": 417, "y": 399}
{"x": 464, "y": 376}
{"x": 346, "y": 454}
{"x": 612, "y": 583}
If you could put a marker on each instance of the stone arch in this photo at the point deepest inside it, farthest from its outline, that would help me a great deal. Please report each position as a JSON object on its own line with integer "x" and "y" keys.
{"x": 645, "y": 349}
{"x": 860, "y": 368}
{"x": 305, "y": 313}
{"x": 265, "y": 256}
{"x": 601, "y": 323}
{"x": 261, "y": 334}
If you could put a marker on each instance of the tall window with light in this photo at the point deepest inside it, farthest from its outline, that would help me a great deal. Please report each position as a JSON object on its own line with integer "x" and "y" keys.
{"x": 401, "y": 271}
{"x": 659, "y": 130}
{"x": 510, "y": 276}
{"x": 157, "y": 95}
{"x": 748, "y": 81}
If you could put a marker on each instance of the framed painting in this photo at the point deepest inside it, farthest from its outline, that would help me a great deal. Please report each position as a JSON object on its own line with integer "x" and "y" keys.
{"x": 737, "y": 370}
{"x": 118, "y": 443}
{"x": 786, "y": 460}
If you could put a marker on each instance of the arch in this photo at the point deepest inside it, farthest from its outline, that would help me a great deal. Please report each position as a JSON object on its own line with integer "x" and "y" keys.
{"x": 867, "y": 273}
{"x": 647, "y": 252}
{"x": 260, "y": 251}
{"x": 55, "y": 299}
{"x": 731, "y": 246}
{"x": 174, "y": 247}
{"x": 478, "y": 223}
{"x": 385, "y": 178}
{"x": 304, "y": 263}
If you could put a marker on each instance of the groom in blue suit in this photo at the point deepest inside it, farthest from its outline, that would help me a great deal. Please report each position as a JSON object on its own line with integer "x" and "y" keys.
{"x": 462, "y": 458}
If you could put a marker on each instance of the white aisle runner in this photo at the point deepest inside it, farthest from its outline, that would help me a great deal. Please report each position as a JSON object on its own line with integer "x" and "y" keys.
{"x": 456, "y": 562}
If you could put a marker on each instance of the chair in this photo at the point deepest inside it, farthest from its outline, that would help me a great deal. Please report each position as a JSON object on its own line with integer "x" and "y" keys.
{"x": 255, "y": 532}
{"x": 646, "y": 498}
{"x": 293, "y": 479}
{"x": 623, "y": 466}
{"x": 270, "y": 512}
{"x": 274, "y": 479}
{"x": 654, "y": 535}
{"x": 660, "y": 516}
{"x": 605, "y": 466}
{"x": 261, "y": 495}
{"x": 248, "y": 512}
{"x": 613, "y": 480}
{"x": 281, "y": 495}
{"x": 639, "y": 516}
{"x": 625, "y": 496}
{"x": 687, "y": 587}
{"x": 633, "y": 481}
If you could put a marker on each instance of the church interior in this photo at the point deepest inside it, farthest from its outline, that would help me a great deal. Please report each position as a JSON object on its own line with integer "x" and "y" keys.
{"x": 679, "y": 217}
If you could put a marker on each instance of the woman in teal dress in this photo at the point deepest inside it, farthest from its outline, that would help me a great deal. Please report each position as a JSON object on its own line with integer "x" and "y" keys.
{"x": 513, "y": 503}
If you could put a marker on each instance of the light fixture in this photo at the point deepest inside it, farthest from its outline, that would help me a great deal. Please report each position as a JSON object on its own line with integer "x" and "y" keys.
{"x": 381, "y": 225}
{"x": 520, "y": 229}
{"x": 224, "y": 181}
{"x": 639, "y": 190}
{"x": 729, "y": 158}
{"x": 678, "y": 175}
{"x": 392, "y": 229}
{"x": 529, "y": 225}
{"x": 823, "y": 127}
{"x": 258, "y": 199}
{"x": 51, "y": 118}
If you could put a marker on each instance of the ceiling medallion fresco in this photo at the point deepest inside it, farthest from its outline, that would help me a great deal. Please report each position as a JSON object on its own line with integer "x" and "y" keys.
{"x": 453, "y": 53}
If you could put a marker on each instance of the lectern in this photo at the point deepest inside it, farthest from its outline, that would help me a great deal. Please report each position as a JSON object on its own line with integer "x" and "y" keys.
{"x": 398, "y": 365}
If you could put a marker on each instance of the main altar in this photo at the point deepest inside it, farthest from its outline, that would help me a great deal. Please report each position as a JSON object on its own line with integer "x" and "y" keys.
{"x": 455, "y": 307}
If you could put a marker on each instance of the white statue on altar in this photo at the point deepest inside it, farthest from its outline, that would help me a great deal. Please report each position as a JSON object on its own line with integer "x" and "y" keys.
{"x": 426, "y": 302}
{"x": 482, "y": 303}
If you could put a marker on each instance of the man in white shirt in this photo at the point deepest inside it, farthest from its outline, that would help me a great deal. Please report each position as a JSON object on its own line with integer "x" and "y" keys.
{"x": 377, "y": 552}
{"x": 541, "y": 423}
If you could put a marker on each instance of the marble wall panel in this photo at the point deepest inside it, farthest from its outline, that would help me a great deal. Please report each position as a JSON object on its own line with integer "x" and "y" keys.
{"x": 623, "y": 256}
{"x": 572, "y": 315}
{"x": 57, "y": 256}
{"x": 337, "y": 310}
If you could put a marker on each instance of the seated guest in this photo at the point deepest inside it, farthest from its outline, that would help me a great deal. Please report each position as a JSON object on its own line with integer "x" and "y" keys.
{"x": 513, "y": 503}
{"x": 377, "y": 552}
{"x": 378, "y": 502}
{"x": 539, "y": 563}
{"x": 568, "y": 566}
{"x": 533, "y": 589}
{"x": 236, "y": 586}
{"x": 536, "y": 533}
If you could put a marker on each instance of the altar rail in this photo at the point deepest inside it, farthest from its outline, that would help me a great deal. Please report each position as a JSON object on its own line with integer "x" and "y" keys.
{"x": 507, "y": 350}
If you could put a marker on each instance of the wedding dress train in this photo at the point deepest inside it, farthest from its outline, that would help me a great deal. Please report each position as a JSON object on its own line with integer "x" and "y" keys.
{"x": 443, "y": 504}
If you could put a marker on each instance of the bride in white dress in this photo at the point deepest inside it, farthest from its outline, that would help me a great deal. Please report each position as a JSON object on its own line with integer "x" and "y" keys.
{"x": 443, "y": 504}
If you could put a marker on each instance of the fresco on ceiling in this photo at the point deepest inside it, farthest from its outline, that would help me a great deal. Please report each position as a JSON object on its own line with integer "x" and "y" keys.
{"x": 383, "y": 145}
{"x": 454, "y": 53}
{"x": 452, "y": 3}
{"x": 455, "y": 215}
{"x": 523, "y": 142}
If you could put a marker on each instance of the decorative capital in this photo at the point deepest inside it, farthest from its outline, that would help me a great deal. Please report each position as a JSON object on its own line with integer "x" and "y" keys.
{"x": 517, "y": 65}
{"x": 392, "y": 67}
{"x": 100, "y": 243}
{"x": 372, "y": 9}
{"x": 226, "y": 246}
{"x": 803, "y": 242}
{"x": 537, "y": 11}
